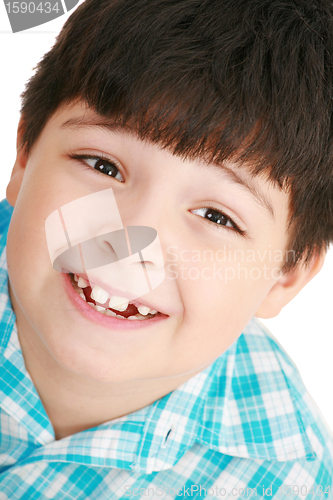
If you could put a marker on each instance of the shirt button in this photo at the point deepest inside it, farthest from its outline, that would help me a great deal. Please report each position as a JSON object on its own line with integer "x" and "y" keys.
{"x": 166, "y": 438}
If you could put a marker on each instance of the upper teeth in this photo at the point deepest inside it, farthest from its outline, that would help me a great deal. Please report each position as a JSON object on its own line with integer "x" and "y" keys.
{"x": 118, "y": 303}
{"x": 99, "y": 294}
{"x": 144, "y": 310}
{"x": 82, "y": 283}
{"x": 115, "y": 302}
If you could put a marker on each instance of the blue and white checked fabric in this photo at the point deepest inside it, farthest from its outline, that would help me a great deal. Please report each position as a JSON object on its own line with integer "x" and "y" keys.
{"x": 245, "y": 427}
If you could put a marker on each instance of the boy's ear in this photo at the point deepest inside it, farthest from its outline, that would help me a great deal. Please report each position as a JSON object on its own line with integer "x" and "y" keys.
{"x": 14, "y": 185}
{"x": 288, "y": 286}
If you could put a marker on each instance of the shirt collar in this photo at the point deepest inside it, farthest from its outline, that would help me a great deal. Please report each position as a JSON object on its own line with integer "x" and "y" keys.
{"x": 241, "y": 405}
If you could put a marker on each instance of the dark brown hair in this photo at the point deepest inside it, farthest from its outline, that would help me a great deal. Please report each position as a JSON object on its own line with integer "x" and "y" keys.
{"x": 250, "y": 80}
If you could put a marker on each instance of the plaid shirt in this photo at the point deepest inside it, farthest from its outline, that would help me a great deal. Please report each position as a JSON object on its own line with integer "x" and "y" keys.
{"x": 245, "y": 427}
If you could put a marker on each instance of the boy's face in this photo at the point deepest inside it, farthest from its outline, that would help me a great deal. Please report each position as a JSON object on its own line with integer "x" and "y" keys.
{"x": 216, "y": 278}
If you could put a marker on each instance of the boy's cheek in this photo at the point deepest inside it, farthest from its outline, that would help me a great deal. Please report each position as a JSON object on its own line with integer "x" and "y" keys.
{"x": 29, "y": 264}
{"x": 222, "y": 293}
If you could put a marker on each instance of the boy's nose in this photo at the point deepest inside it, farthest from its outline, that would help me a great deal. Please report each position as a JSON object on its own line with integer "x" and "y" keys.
{"x": 100, "y": 243}
{"x": 139, "y": 243}
{"x": 129, "y": 259}
{"x": 137, "y": 255}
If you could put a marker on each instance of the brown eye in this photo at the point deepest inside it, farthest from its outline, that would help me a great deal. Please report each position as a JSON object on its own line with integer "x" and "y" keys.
{"x": 215, "y": 216}
{"x": 218, "y": 219}
{"x": 104, "y": 166}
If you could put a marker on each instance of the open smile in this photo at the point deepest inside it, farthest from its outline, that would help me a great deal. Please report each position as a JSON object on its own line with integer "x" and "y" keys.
{"x": 94, "y": 303}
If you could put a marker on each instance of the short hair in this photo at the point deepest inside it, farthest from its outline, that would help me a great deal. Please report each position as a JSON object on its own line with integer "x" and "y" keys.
{"x": 242, "y": 80}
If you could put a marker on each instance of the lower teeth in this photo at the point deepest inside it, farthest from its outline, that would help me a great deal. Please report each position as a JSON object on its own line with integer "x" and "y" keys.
{"x": 107, "y": 312}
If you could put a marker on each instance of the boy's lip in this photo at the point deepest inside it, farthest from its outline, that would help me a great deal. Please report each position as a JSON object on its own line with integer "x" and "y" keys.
{"x": 119, "y": 293}
{"x": 106, "y": 321}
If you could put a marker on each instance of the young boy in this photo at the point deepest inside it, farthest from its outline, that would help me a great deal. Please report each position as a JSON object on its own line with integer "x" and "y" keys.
{"x": 185, "y": 146}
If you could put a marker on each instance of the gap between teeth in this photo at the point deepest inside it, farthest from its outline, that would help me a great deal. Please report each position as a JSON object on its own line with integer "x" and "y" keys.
{"x": 118, "y": 303}
{"x": 106, "y": 312}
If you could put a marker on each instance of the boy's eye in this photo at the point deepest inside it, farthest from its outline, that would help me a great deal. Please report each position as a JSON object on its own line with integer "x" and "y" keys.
{"x": 103, "y": 165}
{"x": 218, "y": 217}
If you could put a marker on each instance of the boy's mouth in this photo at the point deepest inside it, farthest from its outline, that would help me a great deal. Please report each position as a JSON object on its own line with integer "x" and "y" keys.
{"x": 101, "y": 301}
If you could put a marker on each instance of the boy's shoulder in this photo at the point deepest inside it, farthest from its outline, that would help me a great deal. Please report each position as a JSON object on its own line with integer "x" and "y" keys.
{"x": 6, "y": 211}
{"x": 258, "y": 411}
{"x": 257, "y": 405}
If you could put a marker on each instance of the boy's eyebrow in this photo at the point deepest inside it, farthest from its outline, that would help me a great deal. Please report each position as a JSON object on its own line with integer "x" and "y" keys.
{"x": 260, "y": 198}
{"x": 82, "y": 121}
{"x": 110, "y": 125}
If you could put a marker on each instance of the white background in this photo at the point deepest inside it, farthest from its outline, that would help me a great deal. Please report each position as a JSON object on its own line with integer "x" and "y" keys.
{"x": 304, "y": 328}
